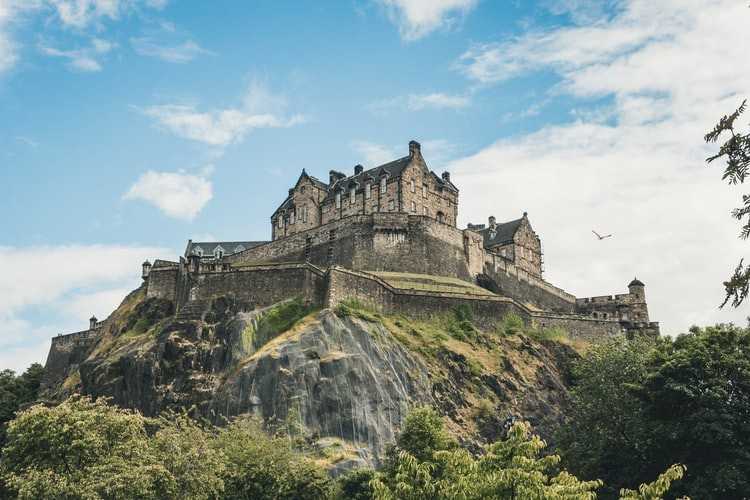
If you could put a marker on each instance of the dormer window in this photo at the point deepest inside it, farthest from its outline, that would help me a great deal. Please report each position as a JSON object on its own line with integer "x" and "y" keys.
{"x": 239, "y": 248}
{"x": 198, "y": 251}
{"x": 382, "y": 185}
{"x": 218, "y": 252}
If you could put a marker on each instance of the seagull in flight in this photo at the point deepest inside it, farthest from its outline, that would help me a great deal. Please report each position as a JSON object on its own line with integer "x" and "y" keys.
{"x": 600, "y": 236}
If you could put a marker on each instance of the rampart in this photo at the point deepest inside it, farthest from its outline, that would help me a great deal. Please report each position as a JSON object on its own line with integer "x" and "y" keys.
{"x": 514, "y": 282}
{"x": 66, "y": 353}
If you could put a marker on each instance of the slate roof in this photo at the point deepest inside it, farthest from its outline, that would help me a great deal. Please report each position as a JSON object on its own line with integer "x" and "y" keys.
{"x": 502, "y": 234}
{"x": 391, "y": 169}
{"x": 636, "y": 282}
{"x": 229, "y": 247}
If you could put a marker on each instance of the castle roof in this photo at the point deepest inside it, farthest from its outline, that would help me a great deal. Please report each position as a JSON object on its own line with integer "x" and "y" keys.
{"x": 502, "y": 234}
{"x": 636, "y": 282}
{"x": 390, "y": 169}
{"x": 230, "y": 247}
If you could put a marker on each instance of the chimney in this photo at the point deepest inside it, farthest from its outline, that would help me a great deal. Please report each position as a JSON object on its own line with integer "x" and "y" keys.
{"x": 358, "y": 169}
{"x": 92, "y": 323}
{"x": 492, "y": 222}
{"x": 291, "y": 191}
{"x": 334, "y": 176}
{"x": 447, "y": 176}
{"x": 414, "y": 149}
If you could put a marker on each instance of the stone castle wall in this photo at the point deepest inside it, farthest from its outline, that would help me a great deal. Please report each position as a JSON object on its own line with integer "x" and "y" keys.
{"x": 66, "y": 353}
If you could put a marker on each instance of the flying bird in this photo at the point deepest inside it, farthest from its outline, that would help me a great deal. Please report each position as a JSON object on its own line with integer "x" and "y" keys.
{"x": 600, "y": 236}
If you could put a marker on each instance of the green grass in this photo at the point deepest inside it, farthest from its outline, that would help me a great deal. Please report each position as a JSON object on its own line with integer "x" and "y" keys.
{"x": 430, "y": 283}
{"x": 552, "y": 333}
{"x": 277, "y": 320}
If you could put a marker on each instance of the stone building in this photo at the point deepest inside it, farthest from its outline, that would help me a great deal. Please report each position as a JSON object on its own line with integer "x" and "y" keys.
{"x": 515, "y": 241}
{"x": 405, "y": 185}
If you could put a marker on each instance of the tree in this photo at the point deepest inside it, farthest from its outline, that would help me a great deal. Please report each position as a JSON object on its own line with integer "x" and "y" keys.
{"x": 605, "y": 409}
{"x": 16, "y": 391}
{"x": 736, "y": 152}
{"x": 262, "y": 467}
{"x": 87, "y": 449}
{"x": 697, "y": 401}
{"x": 513, "y": 468}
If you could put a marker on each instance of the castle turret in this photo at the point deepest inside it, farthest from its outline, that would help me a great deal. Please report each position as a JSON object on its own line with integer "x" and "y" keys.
{"x": 92, "y": 322}
{"x": 492, "y": 222}
{"x": 415, "y": 149}
{"x": 637, "y": 288}
{"x": 146, "y": 270}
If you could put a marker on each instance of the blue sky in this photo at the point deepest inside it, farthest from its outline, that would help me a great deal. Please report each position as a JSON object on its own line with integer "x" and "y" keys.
{"x": 128, "y": 126}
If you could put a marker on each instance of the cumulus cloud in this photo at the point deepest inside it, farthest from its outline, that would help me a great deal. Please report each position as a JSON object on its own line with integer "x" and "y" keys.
{"x": 640, "y": 174}
{"x": 82, "y": 13}
{"x": 64, "y": 287}
{"x": 85, "y": 59}
{"x": 220, "y": 127}
{"x": 178, "y": 194}
{"x": 418, "y": 18}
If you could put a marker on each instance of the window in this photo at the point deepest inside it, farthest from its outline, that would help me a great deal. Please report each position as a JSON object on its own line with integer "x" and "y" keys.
{"x": 424, "y": 190}
{"x": 382, "y": 185}
{"x": 239, "y": 248}
{"x": 302, "y": 189}
{"x": 292, "y": 217}
{"x": 304, "y": 213}
{"x": 338, "y": 200}
{"x": 352, "y": 195}
{"x": 281, "y": 221}
{"x": 391, "y": 205}
{"x": 425, "y": 211}
{"x": 441, "y": 217}
{"x": 413, "y": 207}
{"x": 367, "y": 191}
{"x": 413, "y": 186}
{"x": 218, "y": 252}
{"x": 198, "y": 251}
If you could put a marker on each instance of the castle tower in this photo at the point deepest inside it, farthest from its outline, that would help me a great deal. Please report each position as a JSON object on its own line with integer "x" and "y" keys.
{"x": 146, "y": 270}
{"x": 638, "y": 307}
{"x": 92, "y": 322}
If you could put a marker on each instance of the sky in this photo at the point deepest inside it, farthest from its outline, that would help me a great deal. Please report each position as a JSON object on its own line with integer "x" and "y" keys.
{"x": 129, "y": 126}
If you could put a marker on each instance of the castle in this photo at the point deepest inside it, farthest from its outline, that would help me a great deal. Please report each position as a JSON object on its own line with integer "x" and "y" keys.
{"x": 388, "y": 237}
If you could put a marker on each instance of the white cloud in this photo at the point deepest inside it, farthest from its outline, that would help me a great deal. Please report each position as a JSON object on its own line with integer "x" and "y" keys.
{"x": 177, "y": 194}
{"x": 85, "y": 59}
{"x": 11, "y": 12}
{"x": 66, "y": 285}
{"x": 419, "y": 102}
{"x": 80, "y": 14}
{"x": 417, "y": 18}
{"x": 437, "y": 101}
{"x": 374, "y": 154}
{"x": 176, "y": 53}
{"x": 221, "y": 127}
{"x": 642, "y": 175}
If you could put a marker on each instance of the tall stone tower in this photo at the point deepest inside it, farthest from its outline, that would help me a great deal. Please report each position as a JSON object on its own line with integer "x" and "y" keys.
{"x": 638, "y": 307}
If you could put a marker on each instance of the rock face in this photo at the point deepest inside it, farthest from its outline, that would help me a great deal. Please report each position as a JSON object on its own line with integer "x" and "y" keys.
{"x": 335, "y": 377}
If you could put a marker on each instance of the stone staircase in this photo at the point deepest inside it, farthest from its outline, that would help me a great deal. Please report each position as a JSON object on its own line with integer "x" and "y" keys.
{"x": 193, "y": 310}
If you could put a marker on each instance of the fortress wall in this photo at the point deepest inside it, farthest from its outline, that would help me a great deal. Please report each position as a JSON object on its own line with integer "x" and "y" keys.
{"x": 345, "y": 284}
{"x": 519, "y": 284}
{"x": 162, "y": 283}
{"x": 261, "y": 285}
{"x": 582, "y": 327}
{"x": 379, "y": 242}
{"x": 66, "y": 353}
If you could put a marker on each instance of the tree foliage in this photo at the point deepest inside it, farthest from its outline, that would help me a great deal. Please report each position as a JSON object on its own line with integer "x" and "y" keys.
{"x": 16, "y": 391}
{"x": 513, "y": 468}
{"x": 638, "y": 407}
{"x": 736, "y": 153}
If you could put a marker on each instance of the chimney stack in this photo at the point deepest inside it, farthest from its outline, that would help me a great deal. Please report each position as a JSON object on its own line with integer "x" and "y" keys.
{"x": 146, "y": 270}
{"x": 492, "y": 222}
{"x": 92, "y": 323}
{"x": 447, "y": 176}
{"x": 414, "y": 149}
{"x": 358, "y": 169}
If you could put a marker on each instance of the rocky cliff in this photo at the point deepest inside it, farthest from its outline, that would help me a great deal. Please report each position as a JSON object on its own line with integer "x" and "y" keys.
{"x": 343, "y": 377}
